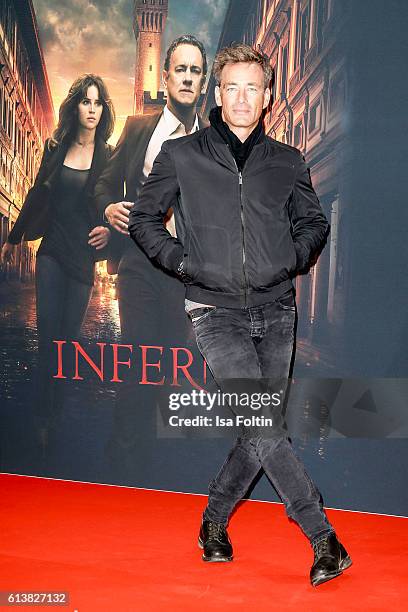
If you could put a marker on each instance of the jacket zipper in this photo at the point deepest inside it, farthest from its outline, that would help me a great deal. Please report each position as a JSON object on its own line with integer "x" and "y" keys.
{"x": 245, "y": 283}
{"x": 243, "y": 237}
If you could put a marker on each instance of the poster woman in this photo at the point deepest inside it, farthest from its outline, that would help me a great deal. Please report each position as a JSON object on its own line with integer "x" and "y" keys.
{"x": 59, "y": 208}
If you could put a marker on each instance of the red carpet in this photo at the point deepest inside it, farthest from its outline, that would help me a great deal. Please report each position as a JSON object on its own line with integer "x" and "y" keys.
{"x": 122, "y": 549}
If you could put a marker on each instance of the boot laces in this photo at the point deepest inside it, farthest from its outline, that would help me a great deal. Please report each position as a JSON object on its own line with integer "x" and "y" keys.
{"x": 216, "y": 530}
{"x": 321, "y": 548}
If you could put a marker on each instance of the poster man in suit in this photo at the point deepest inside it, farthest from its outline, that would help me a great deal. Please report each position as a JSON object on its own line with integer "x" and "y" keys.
{"x": 150, "y": 299}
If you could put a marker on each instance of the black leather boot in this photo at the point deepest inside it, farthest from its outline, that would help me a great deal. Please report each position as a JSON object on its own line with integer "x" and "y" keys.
{"x": 330, "y": 559}
{"x": 214, "y": 541}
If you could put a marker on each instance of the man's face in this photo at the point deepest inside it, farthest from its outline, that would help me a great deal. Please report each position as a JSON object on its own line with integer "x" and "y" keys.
{"x": 242, "y": 94}
{"x": 184, "y": 78}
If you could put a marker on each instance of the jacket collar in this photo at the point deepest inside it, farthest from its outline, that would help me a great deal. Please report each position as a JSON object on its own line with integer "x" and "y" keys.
{"x": 146, "y": 124}
{"x": 221, "y": 151}
{"x": 240, "y": 150}
{"x": 173, "y": 123}
{"x": 99, "y": 159}
{"x": 55, "y": 162}
{"x": 202, "y": 123}
{"x": 142, "y": 132}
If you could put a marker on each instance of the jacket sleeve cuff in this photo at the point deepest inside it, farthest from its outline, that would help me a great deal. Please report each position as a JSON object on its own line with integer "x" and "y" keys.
{"x": 302, "y": 257}
{"x": 105, "y": 221}
{"x": 175, "y": 257}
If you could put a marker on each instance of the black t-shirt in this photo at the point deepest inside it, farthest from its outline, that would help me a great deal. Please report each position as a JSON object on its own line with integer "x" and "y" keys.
{"x": 66, "y": 238}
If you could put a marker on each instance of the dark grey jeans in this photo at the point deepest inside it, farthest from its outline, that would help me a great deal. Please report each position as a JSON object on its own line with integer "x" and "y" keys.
{"x": 257, "y": 344}
{"x": 61, "y": 304}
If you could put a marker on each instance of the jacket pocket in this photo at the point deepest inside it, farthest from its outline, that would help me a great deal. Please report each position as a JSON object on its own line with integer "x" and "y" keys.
{"x": 209, "y": 259}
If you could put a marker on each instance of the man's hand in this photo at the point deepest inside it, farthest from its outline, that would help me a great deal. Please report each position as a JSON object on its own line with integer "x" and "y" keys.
{"x": 7, "y": 253}
{"x": 118, "y": 216}
{"x": 99, "y": 237}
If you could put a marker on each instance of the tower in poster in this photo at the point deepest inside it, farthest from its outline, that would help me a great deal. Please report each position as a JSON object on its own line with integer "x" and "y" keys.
{"x": 148, "y": 25}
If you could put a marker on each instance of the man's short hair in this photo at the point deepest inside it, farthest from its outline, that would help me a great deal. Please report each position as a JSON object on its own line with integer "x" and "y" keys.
{"x": 186, "y": 39}
{"x": 238, "y": 52}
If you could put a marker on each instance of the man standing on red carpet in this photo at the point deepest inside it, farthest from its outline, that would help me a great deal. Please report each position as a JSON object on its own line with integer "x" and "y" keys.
{"x": 250, "y": 222}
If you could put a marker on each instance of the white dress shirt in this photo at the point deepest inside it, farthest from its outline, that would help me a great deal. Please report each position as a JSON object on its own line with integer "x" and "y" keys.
{"x": 168, "y": 128}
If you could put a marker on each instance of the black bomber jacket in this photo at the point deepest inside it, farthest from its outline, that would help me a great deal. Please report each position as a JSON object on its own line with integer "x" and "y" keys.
{"x": 242, "y": 237}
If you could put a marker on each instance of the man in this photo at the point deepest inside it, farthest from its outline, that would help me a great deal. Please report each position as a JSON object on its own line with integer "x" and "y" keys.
{"x": 250, "y": 222}
{"x": 150, "y": 299}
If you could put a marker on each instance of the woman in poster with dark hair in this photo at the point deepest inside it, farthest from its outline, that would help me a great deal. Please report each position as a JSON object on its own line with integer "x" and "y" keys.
{"x": 59, "y": 209}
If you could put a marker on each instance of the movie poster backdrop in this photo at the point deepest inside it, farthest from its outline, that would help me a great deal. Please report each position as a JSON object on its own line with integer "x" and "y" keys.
{"x": 338, "y": 95}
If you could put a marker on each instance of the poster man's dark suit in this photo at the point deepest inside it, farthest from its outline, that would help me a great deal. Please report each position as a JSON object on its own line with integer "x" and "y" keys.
{"x": 151, "y": 303}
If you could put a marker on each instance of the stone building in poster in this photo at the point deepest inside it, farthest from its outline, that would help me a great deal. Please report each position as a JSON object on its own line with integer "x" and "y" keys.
{"x": 27, "y": 119}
